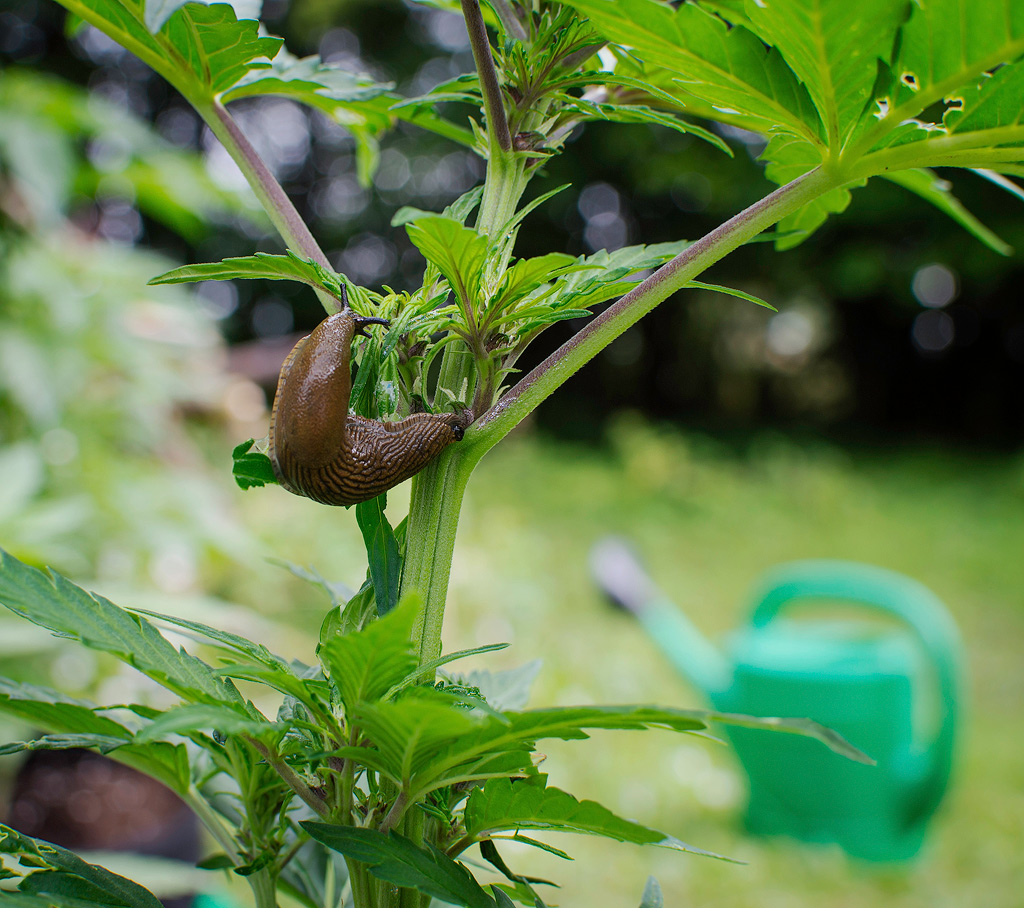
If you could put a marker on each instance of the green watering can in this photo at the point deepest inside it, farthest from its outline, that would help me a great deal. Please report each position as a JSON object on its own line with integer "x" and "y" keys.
{"x": 892, "y": 689}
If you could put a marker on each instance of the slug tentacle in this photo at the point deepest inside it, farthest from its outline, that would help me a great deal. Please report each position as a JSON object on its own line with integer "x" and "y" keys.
{"x": 319, "y": 450}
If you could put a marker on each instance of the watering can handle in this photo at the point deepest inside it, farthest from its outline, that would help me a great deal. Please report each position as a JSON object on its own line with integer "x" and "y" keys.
{"x": 894, "y": 594}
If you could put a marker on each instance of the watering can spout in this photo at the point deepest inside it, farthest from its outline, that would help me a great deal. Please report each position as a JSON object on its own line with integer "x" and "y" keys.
{"x": 626, "y": 583}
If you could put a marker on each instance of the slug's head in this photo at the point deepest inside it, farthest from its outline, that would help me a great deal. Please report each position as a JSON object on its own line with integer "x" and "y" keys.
{"x": 460, "y": 421}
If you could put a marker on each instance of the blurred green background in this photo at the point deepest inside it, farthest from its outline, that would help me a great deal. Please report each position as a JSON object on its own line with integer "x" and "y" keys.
{"x": 877, "y": 417}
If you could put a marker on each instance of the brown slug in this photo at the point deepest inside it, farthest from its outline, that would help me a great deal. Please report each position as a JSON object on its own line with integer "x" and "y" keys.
{"x": 320, "y": 450}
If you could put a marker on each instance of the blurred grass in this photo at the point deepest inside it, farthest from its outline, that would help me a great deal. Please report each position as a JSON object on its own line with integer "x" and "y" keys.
{"x": 707, "y": 522}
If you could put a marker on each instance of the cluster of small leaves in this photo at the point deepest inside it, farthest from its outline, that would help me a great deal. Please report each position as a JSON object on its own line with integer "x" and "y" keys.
{"x": 542, "y": 59}
{"x": 473, "y": 290}
{"x": 364, "y": 747}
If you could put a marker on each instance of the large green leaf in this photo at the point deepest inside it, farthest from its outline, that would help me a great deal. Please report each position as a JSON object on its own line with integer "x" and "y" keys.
{"x": 55, "y": 603}
{"x": 833, "y": 47}
{"x": 990, "y": 112}
{"x": 397, "y": 860}
{"x": 232, "y": 642}
{"x": 364, "y": 666}
{"x": 947, "y": 44}
{"x": 288, "y": 267}
{"x": 503, "y": 804}
{"x": 727, "y": 67}
{"x": 517, "y": 731}
{"x": 68, "y": 875}
{"x": 55, "y": 712}
{"x": 201, "y": 50}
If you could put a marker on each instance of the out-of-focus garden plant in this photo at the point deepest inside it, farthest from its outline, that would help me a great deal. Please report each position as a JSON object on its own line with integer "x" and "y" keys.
{"x": 369, "y": 755}
{"x": 97, "y": 372}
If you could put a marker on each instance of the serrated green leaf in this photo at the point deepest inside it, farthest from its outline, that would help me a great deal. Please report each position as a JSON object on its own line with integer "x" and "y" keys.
{"x": 458, "y": 252}
{"x": 526, "y": 275}
{"x": 355, "y": 101}
{"x": 201, "y": 50}
{"x": 55, "y": 712}
{"x": 947, "y": 44}
{"x": 424, "y": 726}
{"x": 255, "y": 651}
{"x": 53, "y": 602}
{"x": 119, "y": 891}
{"x": 365, "y": 665}
{"x": 311, "y": 81}
{"x": 932, "y": 188}
{"x": 606, "y": 275}
{"x": 612, "y": 112}
{"x": 305, "y": 690}
{"x": 726, "y": 67}
{"x": 263, "y": 265}
{"x": 507, "y": 804}
{"x": 397, "y": 860}
{"x": 181, "y": 720}
{"x": 833, "y": 47}
{"x": 383, "y": 557}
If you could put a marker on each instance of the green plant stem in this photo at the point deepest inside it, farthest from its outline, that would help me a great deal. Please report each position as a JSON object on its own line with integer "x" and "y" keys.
{"x": 525, "y": 396}
{"x": 358, "y": 881}
{"x": 271, "y": 196}
{"x": 264, "y": 888}
{"x": 213, "y": 823}
{"x": 433, "y": 521}
{"x": 268, "y": 191}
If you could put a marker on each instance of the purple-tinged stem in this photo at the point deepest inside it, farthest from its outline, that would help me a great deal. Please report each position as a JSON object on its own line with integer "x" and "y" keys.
{"x": 497, "y": 122}
{"x": 274, "y": 199}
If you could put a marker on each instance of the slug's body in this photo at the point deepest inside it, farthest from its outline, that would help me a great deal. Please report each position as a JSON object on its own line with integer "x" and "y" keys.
{"x": 320, "y": 450}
